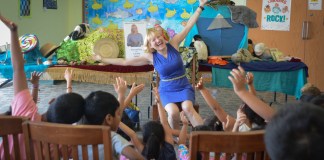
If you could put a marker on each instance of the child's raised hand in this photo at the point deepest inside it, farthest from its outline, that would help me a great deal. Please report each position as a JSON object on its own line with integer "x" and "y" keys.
{"x": 200, "y": 84}
{"x": 34, "y": 77}
{"x": 136, "y": 89}
{"x": 240, "y": 117}
{"x": 249, "y": 78}
{"x": 226, "y": 125}
{"x": 120, "y": 86}
{"x": 11, "y": 25}
{"x": 238, "y": 79}
{"x": 68, "y": 75}
{"x": 184, "y": 119}
{"x": 157, "y": 95}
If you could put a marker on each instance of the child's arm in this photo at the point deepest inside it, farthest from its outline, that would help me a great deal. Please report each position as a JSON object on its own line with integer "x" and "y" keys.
{"x": 163, "y": 118}
{"x": 68, "y": 75}
{"x": 258, "y": 106}
{"x": 132, "y": 154}
{"x": 240, "y": 119}
{"x": 17, "y": 60}
{"x": 133, "y": 92}
{"x": 120, "y": 88}
{"x": 214, "y": 105}
{"x": 183, "y": 132}
{"x": 34, "y": 80}
{"x": 137, "y": 143}
{"x": 249, "y": 80}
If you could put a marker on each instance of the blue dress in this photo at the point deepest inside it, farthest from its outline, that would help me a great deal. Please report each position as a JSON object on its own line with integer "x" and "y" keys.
{"x": 174, "y": 86}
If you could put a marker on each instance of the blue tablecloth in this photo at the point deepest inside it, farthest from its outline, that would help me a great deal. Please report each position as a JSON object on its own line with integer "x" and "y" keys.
{"x": 6, "y": 70}
{"x": 284, "y": 77}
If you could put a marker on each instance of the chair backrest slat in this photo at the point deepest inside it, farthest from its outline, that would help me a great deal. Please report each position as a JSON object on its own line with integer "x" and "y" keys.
{"x": 241, "y": 144}
{"x": 67, "y": 139}
{"x": 10, "y": 128}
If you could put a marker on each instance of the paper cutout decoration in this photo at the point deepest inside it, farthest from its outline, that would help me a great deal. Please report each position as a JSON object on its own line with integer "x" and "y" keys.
{"x": 218, "y": 23}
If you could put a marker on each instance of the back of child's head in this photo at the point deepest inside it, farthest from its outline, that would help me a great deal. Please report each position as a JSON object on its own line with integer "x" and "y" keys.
{"x": 214, "y": 123}
{"x": 296, "y": 132}
{"x": 309, "y": 88}
{"x": 153, "y": 139}
{"x": 202, "y": 128}
{"x": 318, "y": 101}
{"x": 252, "y": 116}
{"x": 98, "y": 105}
{"x": 68, "y": 108}
{"x": 250, "y": 41}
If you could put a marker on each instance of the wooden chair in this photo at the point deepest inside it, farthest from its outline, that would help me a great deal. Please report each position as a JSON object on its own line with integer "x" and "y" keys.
{"x": 192, "y": 80}
{"x": 249, "y": 143}
{"x": 10, "y": 128}
{"x": 61, "y": 141}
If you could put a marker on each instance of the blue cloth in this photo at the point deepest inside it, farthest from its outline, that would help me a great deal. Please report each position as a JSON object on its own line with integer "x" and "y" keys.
{"x": 221, "y": 42}
{"x": 265, "y": 66}
{"x": 177, "y": 90}
{"x": 284, "y": 77}
{"x": 7, "y": 72}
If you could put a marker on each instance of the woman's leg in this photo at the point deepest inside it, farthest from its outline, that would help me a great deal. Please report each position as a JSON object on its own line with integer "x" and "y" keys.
{"x": 173, "y": 115}
{"x": 191, "y": 113}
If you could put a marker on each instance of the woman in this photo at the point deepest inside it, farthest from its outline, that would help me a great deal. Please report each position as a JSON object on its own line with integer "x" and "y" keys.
{"x": 174, "y": 87}
{"x": 134, "y": 39}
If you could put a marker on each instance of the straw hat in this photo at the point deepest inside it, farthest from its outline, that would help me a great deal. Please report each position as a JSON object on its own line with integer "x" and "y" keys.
{"x": 48, "y": 49}
{"x": 106, "y": 48}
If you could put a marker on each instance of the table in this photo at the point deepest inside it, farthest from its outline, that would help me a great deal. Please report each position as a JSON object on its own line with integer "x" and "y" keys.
{"x": 284, "y": 77}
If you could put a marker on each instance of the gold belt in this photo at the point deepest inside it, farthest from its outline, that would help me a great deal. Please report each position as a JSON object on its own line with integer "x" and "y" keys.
{"x": 175, "y": 78}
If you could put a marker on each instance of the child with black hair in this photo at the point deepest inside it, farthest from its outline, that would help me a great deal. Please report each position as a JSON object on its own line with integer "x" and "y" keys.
{"x": 67, "y": 108}
{"x": 157, "y": 137}
{"x": 296, "y": 131}
{"x": 102, "y": 108}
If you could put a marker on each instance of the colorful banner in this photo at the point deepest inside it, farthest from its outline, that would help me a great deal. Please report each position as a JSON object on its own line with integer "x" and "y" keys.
{"x": 276, "y": 15}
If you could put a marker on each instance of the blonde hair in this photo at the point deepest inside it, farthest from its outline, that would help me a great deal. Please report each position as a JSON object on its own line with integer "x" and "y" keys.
{"x": 151, "y": 33}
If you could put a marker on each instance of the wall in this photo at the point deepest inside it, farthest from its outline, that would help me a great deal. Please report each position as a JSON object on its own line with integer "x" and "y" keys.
{"x": 47, "y": 24}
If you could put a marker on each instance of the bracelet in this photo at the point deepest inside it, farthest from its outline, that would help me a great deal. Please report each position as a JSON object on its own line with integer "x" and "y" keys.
{"x": 35, "y": 86}
{"x": 69, "y": 88}
{"x": 202, "y": 8}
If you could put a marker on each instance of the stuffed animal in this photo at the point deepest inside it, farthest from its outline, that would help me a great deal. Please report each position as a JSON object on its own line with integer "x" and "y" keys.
{"x": 79, "y": 32}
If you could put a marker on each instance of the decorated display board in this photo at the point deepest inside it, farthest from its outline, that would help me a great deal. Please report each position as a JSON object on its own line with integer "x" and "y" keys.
{"x": 172, "y": 15}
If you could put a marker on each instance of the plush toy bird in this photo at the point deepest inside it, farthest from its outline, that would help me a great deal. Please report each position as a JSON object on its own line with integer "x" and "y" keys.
{"x": 79, "y": 32}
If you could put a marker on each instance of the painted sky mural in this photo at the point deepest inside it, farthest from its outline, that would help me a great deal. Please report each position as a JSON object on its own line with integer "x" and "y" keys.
{"x": 172, "y": 15}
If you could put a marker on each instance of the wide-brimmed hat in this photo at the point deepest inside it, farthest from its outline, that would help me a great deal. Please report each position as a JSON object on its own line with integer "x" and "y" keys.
{"x": 48, "y": 49}
{"x": 106, "y": 48}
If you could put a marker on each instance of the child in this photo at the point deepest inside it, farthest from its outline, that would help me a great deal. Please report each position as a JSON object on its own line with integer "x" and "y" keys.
{"x": 67, "y": 108}
{"x": 258, "y": 106}
{"x": 157, "y": 137}
{"x": 102, "y": 108}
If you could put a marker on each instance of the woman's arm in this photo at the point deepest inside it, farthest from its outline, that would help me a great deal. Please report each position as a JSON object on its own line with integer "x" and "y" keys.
{"x": 145, "y": 59}
{"x": 137, "y": 143}
{"x": 177, "y": 39}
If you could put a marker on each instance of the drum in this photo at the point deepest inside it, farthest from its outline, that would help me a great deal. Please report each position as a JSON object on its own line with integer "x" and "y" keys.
{"x": 30, "y": 47}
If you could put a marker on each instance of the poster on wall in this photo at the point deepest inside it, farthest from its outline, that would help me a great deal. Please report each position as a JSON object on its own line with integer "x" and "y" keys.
{"x": 314, "y": 4}
{"x": 276, "y": 15}
{"x": 24, "y": 8}
{"x": 134, "y": 33}
{"x": 50, "y": 4}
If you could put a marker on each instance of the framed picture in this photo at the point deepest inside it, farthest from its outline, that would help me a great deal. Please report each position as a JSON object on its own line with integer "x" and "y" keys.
{"x": 50, "y": 4}
{"x": 134, "y": 33}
